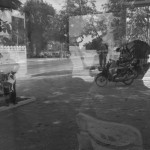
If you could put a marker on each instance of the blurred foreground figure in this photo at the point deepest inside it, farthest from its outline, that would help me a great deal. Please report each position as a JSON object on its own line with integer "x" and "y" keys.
{"x": 8, "y": 69}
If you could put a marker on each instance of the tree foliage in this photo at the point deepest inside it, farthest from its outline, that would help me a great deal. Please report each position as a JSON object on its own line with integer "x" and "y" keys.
{"x": 118, "y": 9}
{"x": 96, "y": 44}
{"x": 138, "y": 24}
{"x": 39, "y": 23}
{"x": 80, "y": 7}
{"x": 96, "y": 26}
{"x": 96, "y": 29}
{"x": 70, "y": 9}
{"x": 5, "y": 26}
{"x": 133, "y": 23}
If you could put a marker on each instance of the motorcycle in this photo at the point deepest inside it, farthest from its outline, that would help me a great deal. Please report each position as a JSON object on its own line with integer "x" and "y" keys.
{"x": 137, "y": 68}
{"x": 8, "y": 86}
{"x": 123, "y": 74}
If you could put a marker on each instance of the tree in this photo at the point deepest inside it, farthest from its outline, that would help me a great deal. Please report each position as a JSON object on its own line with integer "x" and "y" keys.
{"x": 96, "y": 44}
{"x": 5, "y": 26}
{"x": 73, "y": 8}
{"x": 97, "y": 27}
{"x": 118, "y": 9}
{"x": 58, "y": 31}
{"x": 138, "y": 24}
{"x": 39, "y": 23}
{"x": 80, "y": 7}
{"x": 18, "y": 31}
{"x": 133, "y": 23}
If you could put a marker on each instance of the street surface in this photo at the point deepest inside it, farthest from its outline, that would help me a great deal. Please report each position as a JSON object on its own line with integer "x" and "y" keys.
{"x": 55, "y": 66}
{"x": 35, "y": 67}
{"x": 49, "y": 123}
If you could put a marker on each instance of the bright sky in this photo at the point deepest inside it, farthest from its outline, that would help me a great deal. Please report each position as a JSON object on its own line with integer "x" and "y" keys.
{"x": 57, "y": 4}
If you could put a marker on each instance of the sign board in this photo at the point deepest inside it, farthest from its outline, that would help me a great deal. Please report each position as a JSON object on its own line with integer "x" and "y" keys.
{"x": 137, "y": 2}
{"x": 5, "y": 4}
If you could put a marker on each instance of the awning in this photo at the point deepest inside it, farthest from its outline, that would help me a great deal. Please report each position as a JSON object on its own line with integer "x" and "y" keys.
{"x": 139, "y": 49}
{"x": 10, "y": 4}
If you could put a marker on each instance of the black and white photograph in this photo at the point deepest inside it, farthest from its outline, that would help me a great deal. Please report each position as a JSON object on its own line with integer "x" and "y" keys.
{"x": 74, "y": 74}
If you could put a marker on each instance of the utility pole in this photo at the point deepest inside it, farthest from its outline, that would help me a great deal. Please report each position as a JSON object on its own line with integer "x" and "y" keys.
{"x": 67, "y": 25}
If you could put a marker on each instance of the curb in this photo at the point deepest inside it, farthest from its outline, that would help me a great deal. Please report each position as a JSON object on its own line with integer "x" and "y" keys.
{"x": 11, "y": 106}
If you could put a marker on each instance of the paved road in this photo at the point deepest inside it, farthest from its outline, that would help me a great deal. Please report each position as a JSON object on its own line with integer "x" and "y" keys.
{"x": 50, "y": 121}
{"x": 38, "y": 66}
{"x": 54, "y": 66}
{"x": 35, "y": 67}
{"x": 127, "y": 105}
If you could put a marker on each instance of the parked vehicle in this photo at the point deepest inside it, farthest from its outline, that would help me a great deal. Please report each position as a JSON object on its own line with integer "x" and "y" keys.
{"x": 136, "y": 68}
{"x": 123, "y": 74}
{"x": 138, "y": 50}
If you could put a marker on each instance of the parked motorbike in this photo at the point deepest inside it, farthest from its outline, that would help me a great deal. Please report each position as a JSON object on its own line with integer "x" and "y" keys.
{"x": 8, "y": 86}
{"x": 123, "y": 74}
{"x": 137, "y": 68}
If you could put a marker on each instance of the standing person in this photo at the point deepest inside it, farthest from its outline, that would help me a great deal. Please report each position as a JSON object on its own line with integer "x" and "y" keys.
{"x": 104, "y": 58}
{"x": 100, "y": 59}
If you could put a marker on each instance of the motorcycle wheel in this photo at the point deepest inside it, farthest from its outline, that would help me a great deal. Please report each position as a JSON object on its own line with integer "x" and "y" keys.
{"x": 128, "y": 82}
{"x": 100, "y": 80}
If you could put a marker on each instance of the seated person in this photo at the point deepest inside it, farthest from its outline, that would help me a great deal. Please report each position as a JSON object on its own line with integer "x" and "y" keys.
{"x": 113, "y": 67}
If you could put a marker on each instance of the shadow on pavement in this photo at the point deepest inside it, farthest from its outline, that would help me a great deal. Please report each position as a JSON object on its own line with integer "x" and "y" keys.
{"x": 50, "y": 122}
{"x": 125, "y": 105}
